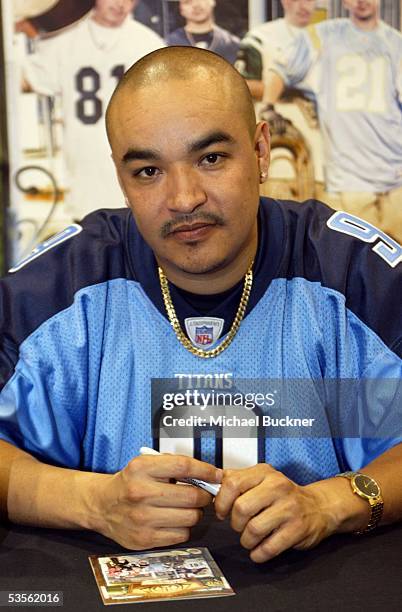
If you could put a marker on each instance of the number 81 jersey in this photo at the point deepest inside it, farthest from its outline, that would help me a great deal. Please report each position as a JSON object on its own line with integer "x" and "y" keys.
{"x": 83, "y": 65}
{"x": 358, "y": 88}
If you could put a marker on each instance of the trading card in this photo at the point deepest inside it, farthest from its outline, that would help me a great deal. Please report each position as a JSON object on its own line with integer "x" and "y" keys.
{"x": 183, "y": 573}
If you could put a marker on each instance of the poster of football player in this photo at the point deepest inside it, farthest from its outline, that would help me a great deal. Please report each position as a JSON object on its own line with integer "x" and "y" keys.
{"x": 345, "y": 61}
{"x": 216, "y": 25}
{"x": 296, "y": 165}
{"x": 66, "y": 59}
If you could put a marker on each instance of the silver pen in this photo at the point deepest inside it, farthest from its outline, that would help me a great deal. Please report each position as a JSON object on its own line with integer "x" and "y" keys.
{"x": 201, "y": 484}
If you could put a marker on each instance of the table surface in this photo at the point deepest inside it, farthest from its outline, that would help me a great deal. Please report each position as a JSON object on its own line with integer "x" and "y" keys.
{"x": 344, "y": 573}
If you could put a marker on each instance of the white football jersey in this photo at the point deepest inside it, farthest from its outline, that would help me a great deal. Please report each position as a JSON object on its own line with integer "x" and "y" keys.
{"x": 266, "y": 42}
{"x": 83, "y": 65}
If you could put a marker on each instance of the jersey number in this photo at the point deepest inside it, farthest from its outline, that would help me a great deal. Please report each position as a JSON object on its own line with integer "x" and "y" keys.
{"x": 389, "y": 250}
{"x": 87, "y": 82}
{"x": 361, "y": 84}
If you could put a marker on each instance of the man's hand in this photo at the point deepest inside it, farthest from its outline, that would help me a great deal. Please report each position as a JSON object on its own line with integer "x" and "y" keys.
{"x": 272, "y": 513}
{"x": 140, "y": 508}
{"x": 277, "y": 123}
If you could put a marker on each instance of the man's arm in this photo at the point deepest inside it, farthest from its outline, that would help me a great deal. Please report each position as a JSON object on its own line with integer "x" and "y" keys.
{"x": 256, "y": 88}
{"x": 41, "y": 69}
{"x": 273, "y": 87}
{"x": 137, "y": 507}
{"x": 272, "y": 513}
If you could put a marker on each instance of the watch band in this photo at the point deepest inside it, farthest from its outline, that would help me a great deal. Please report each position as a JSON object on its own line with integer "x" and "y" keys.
{"x": 376, "y": 503}
{"x": 376, "y": 514}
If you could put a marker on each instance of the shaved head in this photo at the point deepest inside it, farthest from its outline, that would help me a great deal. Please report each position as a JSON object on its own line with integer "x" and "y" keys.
{"x": 208, "y": 71}
{"x": 190, "y": 159}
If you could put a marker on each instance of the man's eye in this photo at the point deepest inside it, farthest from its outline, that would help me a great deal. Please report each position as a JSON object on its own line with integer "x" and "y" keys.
{"x": 211, "y": 159}
{"x": 148, "y": 172}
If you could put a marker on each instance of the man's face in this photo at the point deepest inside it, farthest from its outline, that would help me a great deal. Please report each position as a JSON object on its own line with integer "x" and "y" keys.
{"x": 362, "y": 9}
{"x": 112, "y": 13}
{"x": 197, "y": 11}
{"x": 190, "y": 171}
{"x": 298, "y": 12}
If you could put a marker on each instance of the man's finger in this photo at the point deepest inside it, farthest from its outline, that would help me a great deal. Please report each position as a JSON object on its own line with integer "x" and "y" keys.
{"x": 166, "y": 495}
{"x": 237, "y": 482}
{"x": 284, "y": 538}
{"x": 261, "y": 526}
{"x": 176, "y": 466}
{"x": 177, "y": 517}
{"x": 250, "y": 504}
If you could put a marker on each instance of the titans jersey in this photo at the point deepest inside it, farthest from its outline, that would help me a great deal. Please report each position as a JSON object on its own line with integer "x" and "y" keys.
{"x": 84, "y": 330}
{"x": 359, "y": 96}
{"x": 223, "y": 43}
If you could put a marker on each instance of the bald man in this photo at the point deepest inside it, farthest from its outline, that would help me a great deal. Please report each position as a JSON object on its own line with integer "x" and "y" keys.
{"x": 202, "y": 283}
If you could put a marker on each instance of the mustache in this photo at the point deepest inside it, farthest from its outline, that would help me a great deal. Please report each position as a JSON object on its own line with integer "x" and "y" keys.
{"x": 170, "y": 226}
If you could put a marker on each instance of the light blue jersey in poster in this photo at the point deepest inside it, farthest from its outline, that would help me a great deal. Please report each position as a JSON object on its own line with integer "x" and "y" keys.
{"x": 358, "y": 88}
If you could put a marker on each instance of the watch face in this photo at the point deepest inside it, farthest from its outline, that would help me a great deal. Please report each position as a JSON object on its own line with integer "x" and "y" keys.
{"x": 366, "y": 485}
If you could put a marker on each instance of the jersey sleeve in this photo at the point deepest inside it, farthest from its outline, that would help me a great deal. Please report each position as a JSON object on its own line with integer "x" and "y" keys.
{"x": 53, "y": 307}
{"x": 375, "y": 413}
{"x": 357, "y": 273}
{"x": 296, "y": 60}
{"x": 249, "y": 61}
{"x": 41, "y": 410}
{"x": 42, "y": 68}
{"x": 38, "y": 411}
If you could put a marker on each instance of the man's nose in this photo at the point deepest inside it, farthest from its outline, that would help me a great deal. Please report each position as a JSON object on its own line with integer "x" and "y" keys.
{"x": 185, "y": 191}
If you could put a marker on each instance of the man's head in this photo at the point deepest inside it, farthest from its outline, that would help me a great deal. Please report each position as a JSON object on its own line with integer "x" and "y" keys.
{"x": 112, "y": 13}
{"x": 189, "y": 157}
{"x": 362, "y": 11}
{"x": 197, "y": 11}
{"x": 298, "y": 12}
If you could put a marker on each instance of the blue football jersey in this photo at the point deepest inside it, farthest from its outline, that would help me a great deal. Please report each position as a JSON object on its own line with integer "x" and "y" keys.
{"x": 358, "y": 88}
{"x": 84, "y": 332}
{"x": 222, "y": 42}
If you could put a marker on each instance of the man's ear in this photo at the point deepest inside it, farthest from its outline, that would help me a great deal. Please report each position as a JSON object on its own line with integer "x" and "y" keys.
{"x": 262, "y": 149}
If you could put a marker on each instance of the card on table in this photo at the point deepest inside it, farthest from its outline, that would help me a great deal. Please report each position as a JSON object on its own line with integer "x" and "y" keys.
{"x": 180, "y": 573}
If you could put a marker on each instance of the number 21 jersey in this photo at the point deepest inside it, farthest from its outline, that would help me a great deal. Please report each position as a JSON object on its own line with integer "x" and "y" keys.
{"x": 359, "y": 96}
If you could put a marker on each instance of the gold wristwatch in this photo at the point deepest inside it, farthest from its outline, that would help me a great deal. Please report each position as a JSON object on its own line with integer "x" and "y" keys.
{"x": 367, "y": 488}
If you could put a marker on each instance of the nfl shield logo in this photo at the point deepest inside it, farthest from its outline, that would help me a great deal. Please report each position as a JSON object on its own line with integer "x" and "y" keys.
{"x": 204, "y": 335}
{"x": 204, "y": 331}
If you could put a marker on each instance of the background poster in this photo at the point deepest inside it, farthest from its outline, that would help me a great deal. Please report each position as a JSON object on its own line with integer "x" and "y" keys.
{"x": 34, "y": 182}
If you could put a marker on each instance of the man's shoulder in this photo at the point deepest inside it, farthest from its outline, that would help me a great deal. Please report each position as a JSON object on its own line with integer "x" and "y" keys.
{"x": 320, "y": 227}
{"x": 386, "y": 30}
{"x": 177, "y": 37}
{"x": 226, "y": 36}
{"x": 84, "y": 254}
{"x": 348, "y": 257}
{"x": 392, "y": 39}
{"x": 69, "y": 33}
{"x": 59, "y": 41}
{"x": 267, "y": 28}
{"x": 329, "y": 28}
{"x": 98, "y": 229}
{"x": 136, "y": 28}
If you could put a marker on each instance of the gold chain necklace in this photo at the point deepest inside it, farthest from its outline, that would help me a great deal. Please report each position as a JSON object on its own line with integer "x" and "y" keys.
{"x": 181, "y": 336}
